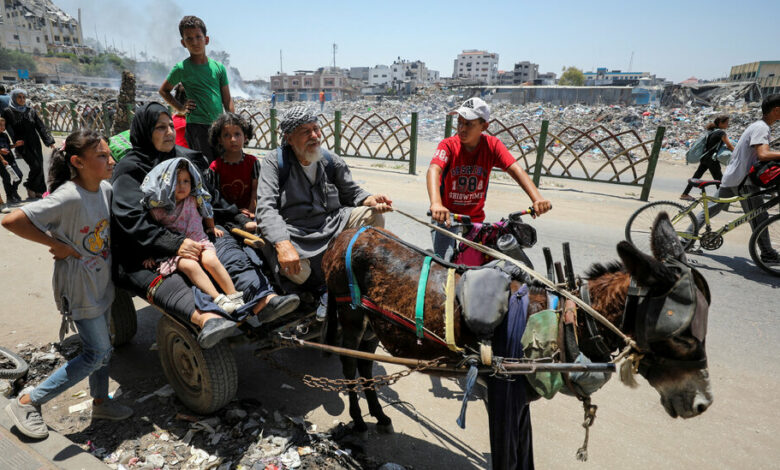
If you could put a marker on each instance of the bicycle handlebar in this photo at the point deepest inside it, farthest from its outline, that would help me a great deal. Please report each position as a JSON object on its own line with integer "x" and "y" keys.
{"x": 466, "y": 220}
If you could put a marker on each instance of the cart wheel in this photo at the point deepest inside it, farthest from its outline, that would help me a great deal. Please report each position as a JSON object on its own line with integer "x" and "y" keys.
{"x": 124, "y": 322}
{"x": 205, "y": 380}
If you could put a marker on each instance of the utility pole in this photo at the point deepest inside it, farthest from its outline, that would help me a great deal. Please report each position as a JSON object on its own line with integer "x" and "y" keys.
{"x": 281, "y": 69}
{"x": 335, "y": 48}
{"x": 631, "y": 62}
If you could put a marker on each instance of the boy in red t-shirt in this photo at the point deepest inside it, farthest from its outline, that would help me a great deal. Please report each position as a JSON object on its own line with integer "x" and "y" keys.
{"x": 236, "y": 172}
{"x": 459, "y": 172}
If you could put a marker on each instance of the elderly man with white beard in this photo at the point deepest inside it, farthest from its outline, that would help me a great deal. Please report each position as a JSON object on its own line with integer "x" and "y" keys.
{"x": 306, "y": 197}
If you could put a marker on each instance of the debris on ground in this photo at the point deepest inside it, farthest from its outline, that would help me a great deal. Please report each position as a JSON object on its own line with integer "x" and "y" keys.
{"x": 163, "y": 434}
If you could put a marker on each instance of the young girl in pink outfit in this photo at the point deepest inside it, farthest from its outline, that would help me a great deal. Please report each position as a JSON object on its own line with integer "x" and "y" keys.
{"x": 175, "y": 197}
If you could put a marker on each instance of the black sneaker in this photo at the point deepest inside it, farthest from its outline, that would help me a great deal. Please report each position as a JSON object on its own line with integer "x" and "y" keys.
{"x": 771, "y": 259}
{"x": 278, "y": 307}
{"x": 214, "y": 331}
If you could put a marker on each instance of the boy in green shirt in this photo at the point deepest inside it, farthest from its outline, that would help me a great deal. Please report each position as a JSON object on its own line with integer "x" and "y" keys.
{"x": 206, "y": 83}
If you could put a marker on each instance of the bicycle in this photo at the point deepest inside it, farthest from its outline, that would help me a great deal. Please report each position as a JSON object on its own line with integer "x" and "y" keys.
{"x": 510, "y": 235}
{"x": 682, "y": 217}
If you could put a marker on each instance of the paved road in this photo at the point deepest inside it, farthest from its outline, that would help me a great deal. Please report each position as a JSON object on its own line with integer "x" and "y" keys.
{"x": 739, "y": 429}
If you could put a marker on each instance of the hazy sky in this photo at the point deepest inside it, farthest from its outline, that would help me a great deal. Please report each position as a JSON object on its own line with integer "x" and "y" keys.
{"x": 673, "y": 39}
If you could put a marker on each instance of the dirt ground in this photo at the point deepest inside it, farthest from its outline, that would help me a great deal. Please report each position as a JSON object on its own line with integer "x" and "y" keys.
{"x": 631, "y": 429}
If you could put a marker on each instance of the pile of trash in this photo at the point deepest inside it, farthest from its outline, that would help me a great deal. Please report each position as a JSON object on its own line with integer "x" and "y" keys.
{"x": 163, "y": 434}
{"x": 684, "y": 118}
{"x": 683, "y": 124}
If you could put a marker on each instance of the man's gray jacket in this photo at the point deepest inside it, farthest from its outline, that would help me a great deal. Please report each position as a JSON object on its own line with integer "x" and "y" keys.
{"x": 309, "y": 215}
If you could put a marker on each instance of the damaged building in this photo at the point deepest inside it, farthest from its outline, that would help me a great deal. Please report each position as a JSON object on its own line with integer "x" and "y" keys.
{"x": 39, "y": 27}
{"x": 766, "y": 74}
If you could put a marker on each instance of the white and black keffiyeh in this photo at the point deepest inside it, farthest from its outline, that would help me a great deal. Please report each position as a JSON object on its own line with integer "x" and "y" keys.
{"x": 296, "y": 116}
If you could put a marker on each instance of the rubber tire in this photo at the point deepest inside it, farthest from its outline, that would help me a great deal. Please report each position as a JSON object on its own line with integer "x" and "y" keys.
{"x": 772, "y": 223}
{"x": 645, "y": 245}
{"x": 20, "y": 365}
{"x": 124, "y": 322}
{"x": 205, "y": 380}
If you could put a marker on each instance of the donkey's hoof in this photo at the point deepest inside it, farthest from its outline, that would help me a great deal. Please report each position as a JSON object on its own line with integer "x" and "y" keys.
{"x": 385, "y": 428}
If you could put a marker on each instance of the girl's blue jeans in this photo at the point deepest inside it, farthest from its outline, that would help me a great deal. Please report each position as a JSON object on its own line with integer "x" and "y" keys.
{"x": 92, "y": 362}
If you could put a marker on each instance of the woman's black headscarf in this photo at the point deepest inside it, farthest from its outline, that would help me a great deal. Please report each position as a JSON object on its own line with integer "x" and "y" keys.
{"x": 141, "y": 130}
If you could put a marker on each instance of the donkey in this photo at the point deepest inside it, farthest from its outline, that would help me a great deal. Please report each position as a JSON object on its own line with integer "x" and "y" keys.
{"x": 386, "y": 272}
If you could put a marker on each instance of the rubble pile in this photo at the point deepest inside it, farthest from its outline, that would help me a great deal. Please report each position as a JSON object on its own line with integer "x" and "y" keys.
{"x": 163, "y": 434}
{"x": 684, "y": 122}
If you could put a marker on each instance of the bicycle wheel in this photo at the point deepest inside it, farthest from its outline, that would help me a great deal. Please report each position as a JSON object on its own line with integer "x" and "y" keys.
{"x": 640, "y": 224}
{"x": 771, "y": 229}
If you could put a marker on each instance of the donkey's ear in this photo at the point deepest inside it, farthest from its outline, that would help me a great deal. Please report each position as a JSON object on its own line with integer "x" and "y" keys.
{"x": 644, "y": 268}
{"x": 664, "y": 240}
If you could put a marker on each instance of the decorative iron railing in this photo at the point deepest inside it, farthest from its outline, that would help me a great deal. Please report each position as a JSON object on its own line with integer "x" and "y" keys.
{"x": 596, "y": 154}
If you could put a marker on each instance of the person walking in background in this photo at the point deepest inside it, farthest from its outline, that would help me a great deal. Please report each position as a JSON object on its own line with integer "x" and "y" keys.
{"x": 752, "y": 147}
{"x": 273, "y": 100}
{"x": 9, "y": 170}
{"x": 26, "y": 130}
{"x": 322, "y": 100}
{"x": 206, "y": 82}
{"x": 709, "y": 161}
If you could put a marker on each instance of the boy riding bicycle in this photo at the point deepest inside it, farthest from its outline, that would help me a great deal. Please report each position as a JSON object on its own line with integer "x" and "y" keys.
{"x": 459, "y": 173}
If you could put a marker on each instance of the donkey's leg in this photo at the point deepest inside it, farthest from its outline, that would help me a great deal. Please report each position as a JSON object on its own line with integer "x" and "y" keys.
{"x": 349, "y": 367}
{"x": 353, "y": 326}
{"x": 384, "y": 424}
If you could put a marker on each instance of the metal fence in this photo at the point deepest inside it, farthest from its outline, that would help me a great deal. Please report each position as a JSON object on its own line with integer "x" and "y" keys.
{"x": 69, "y": 116}
{"x": 595, "y": 154}
{"x": 372, "y": 137}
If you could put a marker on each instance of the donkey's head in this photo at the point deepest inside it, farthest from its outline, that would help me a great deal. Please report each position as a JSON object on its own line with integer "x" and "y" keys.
{"x": 666, "y": 313}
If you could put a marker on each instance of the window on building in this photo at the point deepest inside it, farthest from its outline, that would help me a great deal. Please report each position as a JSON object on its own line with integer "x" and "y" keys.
{"x": 295, "y": 82}
{"x": 37, "y": 39}
{"x": 16, "y": 36}
{"x": 56, "y": 38}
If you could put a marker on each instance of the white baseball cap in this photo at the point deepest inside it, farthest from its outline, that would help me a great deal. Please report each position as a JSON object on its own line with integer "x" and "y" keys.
{"x": 474, "y": 108}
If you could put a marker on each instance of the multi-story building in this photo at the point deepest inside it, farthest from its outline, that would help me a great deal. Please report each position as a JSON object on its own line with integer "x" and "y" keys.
{"x": 604, "y": 77}
{"x": 525, "y": 71}
{"x": 39, "y": 27}
{"x": 380, "y": 75}
{"x": 765, "y": 73}
{"x": 305, "y": 85}
{"x": 505, "y": 77}
{"x": 476, "y": 65}
{"x": 413, "y": 71}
